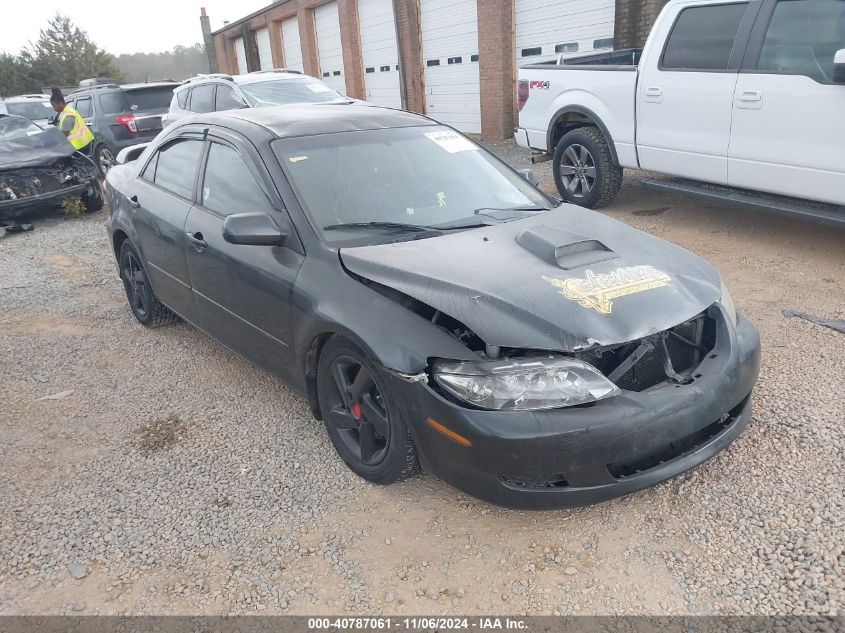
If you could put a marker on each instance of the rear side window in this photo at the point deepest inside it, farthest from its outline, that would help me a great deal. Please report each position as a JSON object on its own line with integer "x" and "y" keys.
{"x": 202, "y": 98}
{"x": 113, "y": 103}
{"x": 703, "y": 38}
{"x": 177, "y": 166}
{"x": 151, "y": 98}
{"x": 229, "y": 186}
{"x": 83, "y": 106}
{"x": 182, "y": 99}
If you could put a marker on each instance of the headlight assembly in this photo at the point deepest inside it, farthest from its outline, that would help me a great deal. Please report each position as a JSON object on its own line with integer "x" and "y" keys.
{"x": 728, "y": 303}
{"x": 524, "y": 384}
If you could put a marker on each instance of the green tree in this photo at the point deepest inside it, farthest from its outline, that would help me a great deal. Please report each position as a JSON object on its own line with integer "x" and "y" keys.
{"x": 15, "y": 77}
{"x": 64, "y": 54}
{"x": 180, "y": 63}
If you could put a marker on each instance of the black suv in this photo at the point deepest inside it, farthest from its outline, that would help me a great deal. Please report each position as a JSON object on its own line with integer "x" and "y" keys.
{"x": 121, "y": 115}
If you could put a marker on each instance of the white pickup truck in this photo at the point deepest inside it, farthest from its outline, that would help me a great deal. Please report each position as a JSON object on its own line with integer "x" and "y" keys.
{"x": 747, "y": 95}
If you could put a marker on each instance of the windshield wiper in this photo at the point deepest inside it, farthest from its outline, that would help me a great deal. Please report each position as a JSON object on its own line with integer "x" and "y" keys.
{"x": 483, "y": 210}
{"x": 383, "y": 225}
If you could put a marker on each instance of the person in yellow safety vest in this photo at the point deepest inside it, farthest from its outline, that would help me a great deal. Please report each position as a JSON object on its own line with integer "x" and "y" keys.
{"x": 71, "y": 123}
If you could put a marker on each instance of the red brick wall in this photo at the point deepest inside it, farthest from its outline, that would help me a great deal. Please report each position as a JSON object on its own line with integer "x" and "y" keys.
{"x": 350, "y": 40}
{"x": 496, "y": 67}
{"x": 410, "y": 54}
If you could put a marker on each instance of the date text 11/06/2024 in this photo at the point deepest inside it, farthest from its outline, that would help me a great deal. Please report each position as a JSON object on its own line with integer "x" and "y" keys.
{"x": 424, "y": 623}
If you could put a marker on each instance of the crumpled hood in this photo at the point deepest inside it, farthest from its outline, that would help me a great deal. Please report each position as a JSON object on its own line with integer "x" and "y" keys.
{"x": 565, "y": 280}
{"x": 34, "y": 150}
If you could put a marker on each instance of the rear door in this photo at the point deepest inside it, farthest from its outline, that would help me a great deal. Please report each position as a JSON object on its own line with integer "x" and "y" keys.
{"x": 243, "y": 293}
{"x": 685, "y": 92}
{"x": 160, "y": 199}
{"x": 788, "y": 132}
{"x": 147, "y": 104}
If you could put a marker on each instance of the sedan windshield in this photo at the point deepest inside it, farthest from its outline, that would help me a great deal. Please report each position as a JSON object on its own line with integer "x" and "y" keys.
{"x": 286, "y": 91}
{"x": 34, "y": 110}
{"x": 379, "y": 181}
{"x": 15, "y": 127}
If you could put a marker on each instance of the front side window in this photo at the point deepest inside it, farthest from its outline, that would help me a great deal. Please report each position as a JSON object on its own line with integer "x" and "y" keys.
{"x": 286, "y": 91}
{"x": 83, "y": 106}
{"x": 177, "y": 166}
{"x": 426, "y": 176}
{"x": 703, "y": 38}
{"x": 202, "y": 98}
{"x": 224, "y": 168}
{"x": 226, "y": 99}
{"x": 803, "y": 38}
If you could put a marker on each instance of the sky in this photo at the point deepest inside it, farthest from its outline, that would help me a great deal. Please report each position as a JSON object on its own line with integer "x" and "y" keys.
{"x": 139, "y": 26}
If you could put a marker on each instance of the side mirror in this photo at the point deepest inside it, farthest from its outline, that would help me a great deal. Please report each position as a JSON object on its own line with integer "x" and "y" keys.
{"x": 839, "y": 67}
{"x": 253, "y": 229}
{"x": 530, "y": 176}
{"x": 131, "y": 153}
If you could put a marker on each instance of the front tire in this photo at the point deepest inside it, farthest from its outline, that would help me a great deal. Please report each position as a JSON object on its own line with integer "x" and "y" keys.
{"x": 584, "y": 170}
{"x": 93, "y": 201}
{"x": 361, "y": 418}
{"x": 143, "y": 302}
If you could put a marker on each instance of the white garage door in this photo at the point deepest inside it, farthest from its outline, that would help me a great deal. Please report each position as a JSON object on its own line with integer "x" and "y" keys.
{"x": 329, "y": 51}
{"x": 379, "y": 53}
{"x": 240, "y": 53}
{"x": 265, "y": 55}
{"x": 290, "y": 44}
{"x": 547, "y": 28}
{"x": 450, "y": 59}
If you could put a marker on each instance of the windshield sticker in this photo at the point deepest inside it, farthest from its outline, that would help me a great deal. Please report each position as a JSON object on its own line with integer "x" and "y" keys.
{"x": 597, "y": 291}
{"x": 319, "y": 88}
{"x": 297, "y": 159}
{"x": 452, "y": 142}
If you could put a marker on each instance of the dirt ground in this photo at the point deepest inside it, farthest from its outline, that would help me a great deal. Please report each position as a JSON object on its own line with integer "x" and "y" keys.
{"x": 152, "y": 472}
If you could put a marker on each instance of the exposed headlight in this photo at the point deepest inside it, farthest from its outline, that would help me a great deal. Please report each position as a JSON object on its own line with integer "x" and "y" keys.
{"x": 728, "y": 303}
{"x": 524, "y": 384}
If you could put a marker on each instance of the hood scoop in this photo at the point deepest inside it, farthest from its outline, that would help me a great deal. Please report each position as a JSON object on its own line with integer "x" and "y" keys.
{"x": 563, "y": 249}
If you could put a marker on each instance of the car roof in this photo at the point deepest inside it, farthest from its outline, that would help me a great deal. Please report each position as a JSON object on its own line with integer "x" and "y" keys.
{"x": 250, "y": 78}
{"x": 26, "y": 98}
{"x": 289, "y": 121}
{"x": 105, "y": 88}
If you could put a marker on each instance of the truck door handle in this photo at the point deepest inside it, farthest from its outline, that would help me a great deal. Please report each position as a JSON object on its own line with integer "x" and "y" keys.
{"x": 197, "y": 241}
{"x": 133, "y": 202}
{"x": 751, "y": 96}
{"x": 653, "y": 92}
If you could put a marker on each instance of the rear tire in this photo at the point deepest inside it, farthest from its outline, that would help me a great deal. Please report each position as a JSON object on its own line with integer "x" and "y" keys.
{"x": 361, "y": 418}
{"x": 94, "y": 201}
{"x": 584, "y": 170}
{"x": 143, "y": 302}
{"x": 104, "y": 158}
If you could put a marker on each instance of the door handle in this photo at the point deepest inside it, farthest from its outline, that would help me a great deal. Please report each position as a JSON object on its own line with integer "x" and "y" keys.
{"x": 653, "y": 92}
{"x": 133, "y": 202}
{"x": 197, "y": 241}
{"x": 751, "y": 96}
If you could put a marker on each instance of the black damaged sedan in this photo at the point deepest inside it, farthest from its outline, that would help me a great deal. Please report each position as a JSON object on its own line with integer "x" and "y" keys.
{"x": 434, "y": 306}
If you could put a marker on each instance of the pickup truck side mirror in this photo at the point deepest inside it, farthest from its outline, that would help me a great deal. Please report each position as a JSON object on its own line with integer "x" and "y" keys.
{"x": 253, "y": 229}
{"x": 839, "y": 67}
{"x": 530, "y": 176}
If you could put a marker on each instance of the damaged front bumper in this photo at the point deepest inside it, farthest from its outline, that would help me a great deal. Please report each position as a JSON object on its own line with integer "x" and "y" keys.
{"x": 33, "y": 189}
{"x": 582, "y": 455}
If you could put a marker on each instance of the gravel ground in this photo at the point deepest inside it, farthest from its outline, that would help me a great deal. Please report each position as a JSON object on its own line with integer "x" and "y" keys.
{"x": 152, "y": 472}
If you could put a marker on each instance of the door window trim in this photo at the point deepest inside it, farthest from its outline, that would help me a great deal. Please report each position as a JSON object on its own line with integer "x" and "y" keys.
{"x": 737, "y": 55}
{"x": 756, "y": 41}
{"x": 191, "y": 136}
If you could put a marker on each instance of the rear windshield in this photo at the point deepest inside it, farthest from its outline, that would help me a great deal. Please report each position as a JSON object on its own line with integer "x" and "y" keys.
{"x": 157, "y": 98}
{"x": 285, "y": 91}
{"x": 31, "y": 110}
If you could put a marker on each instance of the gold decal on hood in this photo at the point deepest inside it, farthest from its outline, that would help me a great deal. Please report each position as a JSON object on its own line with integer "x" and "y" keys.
{"x": 597, "y": 291}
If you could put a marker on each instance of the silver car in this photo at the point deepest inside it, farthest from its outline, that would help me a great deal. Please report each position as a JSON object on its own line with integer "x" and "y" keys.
{"x": 218, "y": 92}
{"x": 35, "y": 107}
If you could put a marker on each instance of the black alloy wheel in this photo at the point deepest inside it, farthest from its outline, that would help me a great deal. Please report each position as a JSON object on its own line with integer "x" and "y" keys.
{"x": 139, "y": 293}
{"x": 366, "y": 429}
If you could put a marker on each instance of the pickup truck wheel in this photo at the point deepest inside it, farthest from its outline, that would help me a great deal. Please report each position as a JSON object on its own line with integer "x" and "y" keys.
{"x": 584, "y": 170}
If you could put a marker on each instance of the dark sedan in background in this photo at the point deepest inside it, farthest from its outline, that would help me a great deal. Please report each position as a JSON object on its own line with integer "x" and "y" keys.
{"x": 433, "y": 306}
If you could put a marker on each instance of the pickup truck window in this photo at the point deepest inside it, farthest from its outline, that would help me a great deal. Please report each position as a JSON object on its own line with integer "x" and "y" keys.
{"x": 803, "y": 37}
{"x": 703, "y": 38}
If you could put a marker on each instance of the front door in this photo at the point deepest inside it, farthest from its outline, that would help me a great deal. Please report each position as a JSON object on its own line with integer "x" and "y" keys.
{"x": 160, "y": 201}
{"x": 789, "y": 116}
{"x": 685, "y": 92}
{"x": 243, "y": 293}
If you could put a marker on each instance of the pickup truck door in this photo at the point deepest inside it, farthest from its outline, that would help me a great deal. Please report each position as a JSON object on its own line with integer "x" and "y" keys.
{"x": 788, "y": 133}
{"x": 686, "y": 87}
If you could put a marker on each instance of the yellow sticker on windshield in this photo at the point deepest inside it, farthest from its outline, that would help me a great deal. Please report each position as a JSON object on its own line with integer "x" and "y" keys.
{"x": 597, "y": 291}
{"x": 296, "y": 159}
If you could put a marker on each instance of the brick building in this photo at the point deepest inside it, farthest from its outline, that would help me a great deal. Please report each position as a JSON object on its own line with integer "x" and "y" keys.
{"x": 454, "y": 60}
